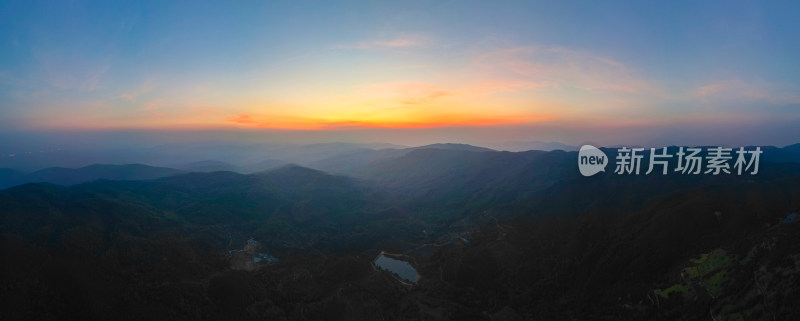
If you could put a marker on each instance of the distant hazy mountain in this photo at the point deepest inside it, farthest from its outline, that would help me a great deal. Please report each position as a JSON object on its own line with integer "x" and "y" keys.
{"x": 534, "y": 145}
{"x": 451, "y": 146}
{"x": 70, "y": 176}
{"x": 347, "y": 162}
{"x": 261, "y": 166}
{"x": 451, "y": 179}
{"x": 794, "y": 148}
{"x": 237, "y": 154}
{"x": 530, "y": 182}
{"x": 790, "y": 154}
{"x": 8, "y": 177}
{"x": 307, "y": 154}
{"x": 207, "y": 166}
{"x": 289, "y": 194}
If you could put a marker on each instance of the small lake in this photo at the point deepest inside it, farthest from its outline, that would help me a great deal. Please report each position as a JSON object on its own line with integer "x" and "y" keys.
{"x": 402, "y": 268}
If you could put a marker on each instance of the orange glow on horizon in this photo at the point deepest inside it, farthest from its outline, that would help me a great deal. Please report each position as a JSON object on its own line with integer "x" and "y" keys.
{"x": 248, "y": 121}
{"x": 269, "y": 122}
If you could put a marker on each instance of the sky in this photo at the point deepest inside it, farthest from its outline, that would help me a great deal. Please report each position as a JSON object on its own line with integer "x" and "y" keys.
{"x": 407, "y": 72}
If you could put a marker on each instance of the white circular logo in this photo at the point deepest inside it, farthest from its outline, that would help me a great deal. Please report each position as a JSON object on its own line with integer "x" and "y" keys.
{"x": 591, "y": 160}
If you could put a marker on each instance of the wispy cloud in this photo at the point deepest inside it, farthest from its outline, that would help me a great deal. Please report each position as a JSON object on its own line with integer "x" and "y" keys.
{"x": 419, "y": 93}
{"x": 541, "y": 66}
{"x": 497, "y": 85}
{"x": 87, "y": 81}
{"x": 242, "y": 119}
{"x": 145, "y": 88}
{"x": 409, "y": 93}
{"x": 388, "y": 43}
{"x": 738, "y": 90}
{"x": 63, "y": 71}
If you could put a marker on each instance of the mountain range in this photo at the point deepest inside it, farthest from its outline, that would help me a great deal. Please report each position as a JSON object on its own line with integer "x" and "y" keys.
{"x": 493, "y": 235}
{"x": 70, "y": 176}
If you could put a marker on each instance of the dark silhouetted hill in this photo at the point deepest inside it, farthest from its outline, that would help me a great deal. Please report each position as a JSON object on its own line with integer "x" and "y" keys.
{"x": 70, "y": 176}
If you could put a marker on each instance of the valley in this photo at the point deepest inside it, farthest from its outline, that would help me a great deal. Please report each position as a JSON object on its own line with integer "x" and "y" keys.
{"x": 531, "y": 241}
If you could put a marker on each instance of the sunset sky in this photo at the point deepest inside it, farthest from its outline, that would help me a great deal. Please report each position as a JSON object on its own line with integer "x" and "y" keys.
{"x": 643, "y": 72}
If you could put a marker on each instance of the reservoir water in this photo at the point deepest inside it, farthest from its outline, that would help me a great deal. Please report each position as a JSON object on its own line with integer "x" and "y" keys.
{"x": 402, "y": 268}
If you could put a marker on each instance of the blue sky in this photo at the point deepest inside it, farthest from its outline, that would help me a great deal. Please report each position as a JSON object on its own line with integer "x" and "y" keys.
{"x": 686, "y": 71}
